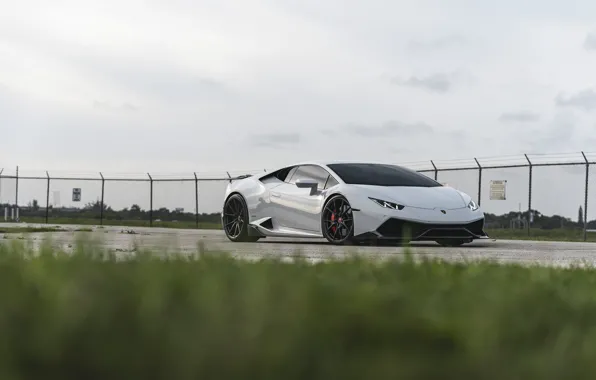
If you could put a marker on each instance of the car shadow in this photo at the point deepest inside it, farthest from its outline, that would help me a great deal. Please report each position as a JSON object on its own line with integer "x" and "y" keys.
{"x": 476, "y": 244}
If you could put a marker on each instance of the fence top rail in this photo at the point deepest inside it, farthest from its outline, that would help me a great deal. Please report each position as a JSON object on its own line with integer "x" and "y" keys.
{"x": 108, "y": 179}
{"x": 477, "y": 163}
{"x": 235, "y": 178}
{"x": 508, "y": 166}
{"x": 521, "y": 160}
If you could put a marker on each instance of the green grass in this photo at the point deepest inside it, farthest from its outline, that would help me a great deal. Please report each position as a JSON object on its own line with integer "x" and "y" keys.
{"x": 559, "y": 234}
{"x": 212, "y": 317}
{"x": 28, "y": 229}
{"x": 128, "y": 223}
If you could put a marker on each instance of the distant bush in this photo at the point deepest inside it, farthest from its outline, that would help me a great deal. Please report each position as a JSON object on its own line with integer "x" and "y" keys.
{"x": 92, "y": 316}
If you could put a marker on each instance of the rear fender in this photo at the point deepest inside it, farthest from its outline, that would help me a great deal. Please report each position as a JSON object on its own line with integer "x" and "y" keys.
{"x": 256, "y": 197}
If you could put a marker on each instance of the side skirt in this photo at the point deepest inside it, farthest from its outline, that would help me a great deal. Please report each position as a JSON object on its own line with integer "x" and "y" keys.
{"x": 264, "y": 227}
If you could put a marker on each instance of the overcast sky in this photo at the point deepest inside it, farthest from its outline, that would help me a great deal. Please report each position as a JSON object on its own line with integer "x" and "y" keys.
{"x": 212, "y": 85}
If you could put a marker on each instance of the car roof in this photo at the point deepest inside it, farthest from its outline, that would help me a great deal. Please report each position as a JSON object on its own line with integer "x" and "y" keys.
{"x": 330, "y": 162}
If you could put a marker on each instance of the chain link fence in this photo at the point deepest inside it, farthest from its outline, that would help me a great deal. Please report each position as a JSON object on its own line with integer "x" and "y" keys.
{"x": 528, "y": 185}
{"x": 119, "y": 199}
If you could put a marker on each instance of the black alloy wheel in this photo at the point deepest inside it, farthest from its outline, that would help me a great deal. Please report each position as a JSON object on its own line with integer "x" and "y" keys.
{"x": 235, "y": 220}
{"x": 337, "y": 220}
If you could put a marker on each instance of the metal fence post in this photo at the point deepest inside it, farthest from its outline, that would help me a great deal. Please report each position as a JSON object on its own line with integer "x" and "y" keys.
{"x": 529, "y": 192}
{"x": 150, "y": 200}
{"x": 196, "y": 200}
{"x": 479, "y": 180}
{"x": 16, "y": 195}
{"x": 103, "y": 183}
{"x": 435, "y": 168}
{"x": 47, "y": 197}
{"x": 586, "y": 197}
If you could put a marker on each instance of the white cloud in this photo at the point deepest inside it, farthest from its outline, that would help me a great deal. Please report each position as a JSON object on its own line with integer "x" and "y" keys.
{"x": 154, "y": 85}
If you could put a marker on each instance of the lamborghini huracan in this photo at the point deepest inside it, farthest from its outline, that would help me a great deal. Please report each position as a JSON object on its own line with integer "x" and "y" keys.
{"x": 347, "y": 203}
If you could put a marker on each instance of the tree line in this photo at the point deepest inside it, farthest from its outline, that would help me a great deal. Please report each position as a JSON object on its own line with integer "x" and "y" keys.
{"x": 516, "y": 219}
{"x": 92, "y": 210}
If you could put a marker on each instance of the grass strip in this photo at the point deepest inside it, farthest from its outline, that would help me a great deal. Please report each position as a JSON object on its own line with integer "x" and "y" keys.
{"x": 35, "y": 229}
{"x": 90, "y": 314}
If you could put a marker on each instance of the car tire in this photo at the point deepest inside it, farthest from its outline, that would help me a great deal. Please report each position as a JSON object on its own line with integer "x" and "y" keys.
{"x": 337, "y": 216}
{"x": 235, "y": 220}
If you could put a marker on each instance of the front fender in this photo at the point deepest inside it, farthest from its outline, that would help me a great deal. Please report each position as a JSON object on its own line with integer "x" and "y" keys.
{"x": 363, "y": 209}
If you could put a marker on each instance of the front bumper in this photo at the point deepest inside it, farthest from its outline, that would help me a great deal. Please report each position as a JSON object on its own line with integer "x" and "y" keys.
{"x": 395, "y": 228}
{"x": 420, "y": 224}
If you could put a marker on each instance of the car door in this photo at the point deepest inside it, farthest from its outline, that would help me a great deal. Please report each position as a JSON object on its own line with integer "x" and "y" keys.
{"x": 298, "y": 208}
{"x": 276, "y": 209}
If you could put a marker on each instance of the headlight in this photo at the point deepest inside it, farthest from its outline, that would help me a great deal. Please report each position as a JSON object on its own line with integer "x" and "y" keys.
{"x": 472, "y": 206}
{"x": 391, "y": 205}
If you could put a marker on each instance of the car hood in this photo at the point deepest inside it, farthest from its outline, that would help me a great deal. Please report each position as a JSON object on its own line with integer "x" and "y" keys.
{"x": 420, "y": 197}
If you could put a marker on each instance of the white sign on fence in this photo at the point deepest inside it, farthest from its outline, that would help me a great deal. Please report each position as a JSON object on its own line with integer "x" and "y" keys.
{"x": 498, "y": 190}
{"x": 76, "y": 194}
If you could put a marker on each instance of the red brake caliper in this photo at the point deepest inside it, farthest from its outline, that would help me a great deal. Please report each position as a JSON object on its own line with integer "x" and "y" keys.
{"x": 333, "y": 220}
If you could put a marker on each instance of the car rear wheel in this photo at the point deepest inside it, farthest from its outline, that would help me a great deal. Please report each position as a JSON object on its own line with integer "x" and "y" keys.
{"x": 235, "y": 220}
{"x": 337, "y": 221}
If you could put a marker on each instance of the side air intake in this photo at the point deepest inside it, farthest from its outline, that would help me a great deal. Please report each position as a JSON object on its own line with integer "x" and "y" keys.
{"x": 268, "y": 224}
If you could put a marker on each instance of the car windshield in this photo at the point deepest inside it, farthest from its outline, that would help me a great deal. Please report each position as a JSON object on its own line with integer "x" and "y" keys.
{"x": 381, "y": 175}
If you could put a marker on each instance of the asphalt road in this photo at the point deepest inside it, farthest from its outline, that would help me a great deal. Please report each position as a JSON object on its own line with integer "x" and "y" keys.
{"x": 123, "y": 239}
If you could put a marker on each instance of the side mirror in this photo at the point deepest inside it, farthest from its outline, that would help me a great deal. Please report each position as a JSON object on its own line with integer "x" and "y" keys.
{"x": 307, "y": 183}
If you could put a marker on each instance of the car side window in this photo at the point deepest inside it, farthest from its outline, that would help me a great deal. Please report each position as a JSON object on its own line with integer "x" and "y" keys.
{"x": 290, "y": 175}
{"x": 298, "y": 174}
{"x": 311, "y": 172}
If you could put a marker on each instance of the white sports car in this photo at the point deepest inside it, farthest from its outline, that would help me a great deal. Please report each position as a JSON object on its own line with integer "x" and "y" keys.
{"x": 349, "y": 203}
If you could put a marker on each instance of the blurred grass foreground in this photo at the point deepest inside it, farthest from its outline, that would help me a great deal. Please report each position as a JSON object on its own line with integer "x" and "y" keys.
{"x": 92, "y": 316}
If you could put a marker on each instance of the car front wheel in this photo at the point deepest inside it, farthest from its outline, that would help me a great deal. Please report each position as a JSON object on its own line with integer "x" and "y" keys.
{"x": 337, "y": 221}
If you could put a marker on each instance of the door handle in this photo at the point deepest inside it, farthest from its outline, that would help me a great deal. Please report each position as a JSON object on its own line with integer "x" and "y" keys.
{"x": 276, "y": 195}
